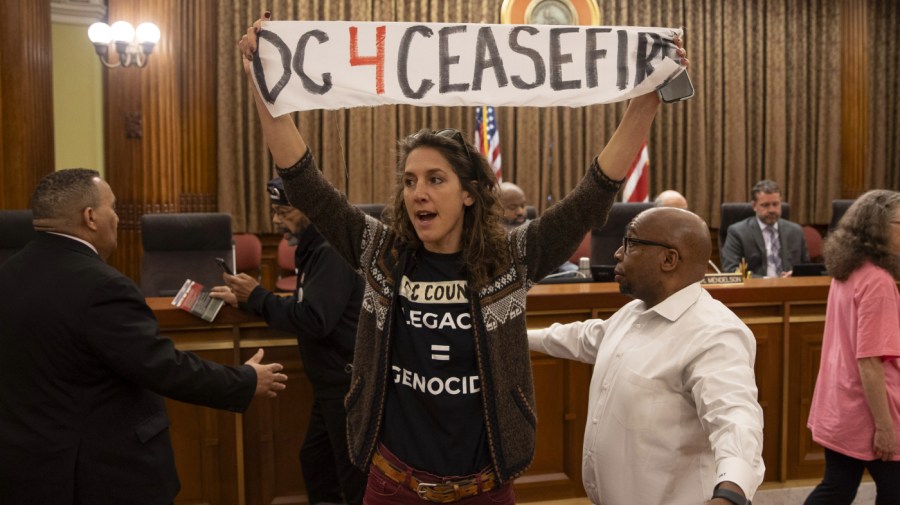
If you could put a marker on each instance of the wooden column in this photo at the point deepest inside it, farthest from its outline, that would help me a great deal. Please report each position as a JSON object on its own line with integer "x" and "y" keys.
{"x": 160, "y": 121}
{"x": 26, "y": 100}
{"x": 854, "y": 97}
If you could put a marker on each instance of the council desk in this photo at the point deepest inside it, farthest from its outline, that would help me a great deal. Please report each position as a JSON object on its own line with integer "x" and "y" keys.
{"x": 252, "y": 459}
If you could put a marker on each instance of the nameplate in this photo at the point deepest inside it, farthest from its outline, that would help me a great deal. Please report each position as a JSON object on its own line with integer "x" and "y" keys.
{"x": 722, "y": 279}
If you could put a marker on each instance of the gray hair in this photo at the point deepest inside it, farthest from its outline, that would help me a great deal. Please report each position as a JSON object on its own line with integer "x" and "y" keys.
{"x": 766, "y": 186}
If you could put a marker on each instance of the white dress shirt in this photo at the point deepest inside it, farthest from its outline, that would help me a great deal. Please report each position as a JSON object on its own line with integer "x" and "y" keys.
{"x": 673, "y": 400}
{"x": 73, "y": 237}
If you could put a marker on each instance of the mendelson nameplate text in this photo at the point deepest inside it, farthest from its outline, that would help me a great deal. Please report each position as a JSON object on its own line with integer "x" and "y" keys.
{"x": 722, "y": 279}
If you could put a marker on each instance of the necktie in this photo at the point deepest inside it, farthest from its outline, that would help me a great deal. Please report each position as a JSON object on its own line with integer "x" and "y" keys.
{"x": 774, "y": 256}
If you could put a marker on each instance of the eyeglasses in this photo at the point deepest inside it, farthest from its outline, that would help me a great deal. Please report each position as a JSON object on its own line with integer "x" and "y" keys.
{"x": 626, "y": 241}
{"x": 456, "y": 135}
{"x": 283, "y": 211}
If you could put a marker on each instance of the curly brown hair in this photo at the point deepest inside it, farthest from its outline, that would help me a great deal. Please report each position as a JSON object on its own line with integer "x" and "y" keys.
{"x": 863, "y": 234}
{"x": 484, "y": 249}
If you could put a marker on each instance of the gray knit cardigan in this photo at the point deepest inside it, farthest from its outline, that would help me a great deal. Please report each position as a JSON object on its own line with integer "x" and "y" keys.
{"x": 498, "y": 310}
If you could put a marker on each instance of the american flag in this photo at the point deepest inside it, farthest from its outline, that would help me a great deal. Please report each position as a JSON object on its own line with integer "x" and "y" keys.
{"x": 637, "y": 188}
{"x": 487, "y": 137}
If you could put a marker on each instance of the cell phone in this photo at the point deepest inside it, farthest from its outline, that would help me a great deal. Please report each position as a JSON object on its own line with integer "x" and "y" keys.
{"x": 222, "y": 263}
{"x": 679, "y": 88}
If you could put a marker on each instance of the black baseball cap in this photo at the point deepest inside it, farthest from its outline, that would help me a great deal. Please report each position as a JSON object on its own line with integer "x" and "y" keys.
{"x": 277, "y": 195}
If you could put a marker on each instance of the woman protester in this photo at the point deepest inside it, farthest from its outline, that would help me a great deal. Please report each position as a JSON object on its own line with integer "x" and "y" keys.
{"x": 855, "y": 411}
{"x": 441, "y": 404}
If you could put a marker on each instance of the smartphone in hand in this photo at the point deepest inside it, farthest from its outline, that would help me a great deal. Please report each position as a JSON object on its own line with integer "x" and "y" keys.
{"x": 222, "y": 263}
{"x": 679, "y": 88}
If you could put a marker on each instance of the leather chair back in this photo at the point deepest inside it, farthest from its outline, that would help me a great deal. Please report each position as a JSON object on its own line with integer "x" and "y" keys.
{"x": 16, "y": 230}
{"x": 183, "y": 246}
{"x": 373, "y": 209}
{"x": 838, "y": 209}
{"x": 607, "y": 240}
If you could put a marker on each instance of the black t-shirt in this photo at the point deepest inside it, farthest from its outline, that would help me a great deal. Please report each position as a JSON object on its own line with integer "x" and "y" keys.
{"x": 433, "y": 419}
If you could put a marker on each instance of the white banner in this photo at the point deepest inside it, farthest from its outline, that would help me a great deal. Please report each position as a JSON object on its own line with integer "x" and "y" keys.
{"x": 303, "y": 65}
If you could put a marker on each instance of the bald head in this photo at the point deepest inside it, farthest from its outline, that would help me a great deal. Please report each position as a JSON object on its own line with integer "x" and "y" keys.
{"x": 509, "y": 188}
{"x": 682, "y": 229}
{"x": 671, "y": 198}
{"x": 513, "y": 200}
{"x": 668, "y": 250}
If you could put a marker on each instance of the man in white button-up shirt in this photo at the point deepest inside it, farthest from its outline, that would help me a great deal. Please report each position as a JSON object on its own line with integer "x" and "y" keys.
{"x": 673, "y": 416}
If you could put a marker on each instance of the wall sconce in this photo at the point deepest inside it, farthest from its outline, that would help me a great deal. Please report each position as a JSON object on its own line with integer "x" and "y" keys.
{"x": 133, "y": 46}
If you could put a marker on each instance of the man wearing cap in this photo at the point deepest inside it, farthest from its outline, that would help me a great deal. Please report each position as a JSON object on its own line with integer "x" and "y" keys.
{"x": 323, "y": 313}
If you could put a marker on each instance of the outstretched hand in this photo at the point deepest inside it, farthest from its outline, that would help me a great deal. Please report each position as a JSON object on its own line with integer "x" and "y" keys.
{"x": 268, "y": 379}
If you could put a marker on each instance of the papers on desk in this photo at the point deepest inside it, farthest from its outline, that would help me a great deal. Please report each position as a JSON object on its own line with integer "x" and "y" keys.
{"x": 193, "y": 298}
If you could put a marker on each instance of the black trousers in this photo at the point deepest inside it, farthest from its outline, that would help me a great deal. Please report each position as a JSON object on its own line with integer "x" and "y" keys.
{"x": 842, "y": 477}
{"x": 325, "y": 459}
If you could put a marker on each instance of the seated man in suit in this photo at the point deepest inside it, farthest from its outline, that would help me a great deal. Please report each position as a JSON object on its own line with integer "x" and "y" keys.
{"x": 770, "y": 245}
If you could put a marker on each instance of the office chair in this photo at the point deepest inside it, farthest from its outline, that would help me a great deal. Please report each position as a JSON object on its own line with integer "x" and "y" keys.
{"x": 178, "y": 247}
{"x": 813, "y": 243}
{"x": 583, "y": 251}
{"x": 286, "y": 283}
{"x": 838, "y": 209}
{"x": 732, "y": 212}
{"x": 247, "y": 253}
{"x": 375, "y": 210}
{"x": 16, "y": 230}
{"x": 607, "y": 240}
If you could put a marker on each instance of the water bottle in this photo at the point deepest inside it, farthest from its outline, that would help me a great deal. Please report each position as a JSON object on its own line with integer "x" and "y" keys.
{"x": 584, "y": 267}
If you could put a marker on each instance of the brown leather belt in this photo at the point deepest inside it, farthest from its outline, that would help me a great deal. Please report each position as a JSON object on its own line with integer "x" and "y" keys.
{"x": 439, "y": 492}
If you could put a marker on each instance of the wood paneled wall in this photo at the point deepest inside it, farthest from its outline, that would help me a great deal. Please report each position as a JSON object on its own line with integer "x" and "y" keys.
{"x": 854, "y": 98}
{"x": 161, "y": 121}
{"x": 26, "y": 100}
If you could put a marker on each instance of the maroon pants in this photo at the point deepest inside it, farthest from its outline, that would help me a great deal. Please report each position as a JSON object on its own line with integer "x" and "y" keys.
{"x": 381, "y": 490}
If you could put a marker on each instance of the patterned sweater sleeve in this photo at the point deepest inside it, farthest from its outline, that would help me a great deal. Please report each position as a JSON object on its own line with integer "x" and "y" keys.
{"x": 348, "y": 229}
{"x": 548, "y": 241}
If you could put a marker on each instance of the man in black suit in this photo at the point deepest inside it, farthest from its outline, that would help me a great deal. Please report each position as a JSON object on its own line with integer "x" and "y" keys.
{"x": 82, "y": 364}
{"x": 770, "y": 245}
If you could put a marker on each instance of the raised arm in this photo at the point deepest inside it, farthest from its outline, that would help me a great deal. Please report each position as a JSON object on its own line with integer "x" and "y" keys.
{"x": 281, "y": 134}
{"x": 623, "y": 146}
{"x": 339, "y": 222}
{"x": 556, "y": 234}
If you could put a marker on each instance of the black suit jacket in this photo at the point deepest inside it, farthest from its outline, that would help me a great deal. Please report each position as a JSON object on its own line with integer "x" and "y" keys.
{"x": 745, "y": 240}
{"x": 82, "y": 368}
